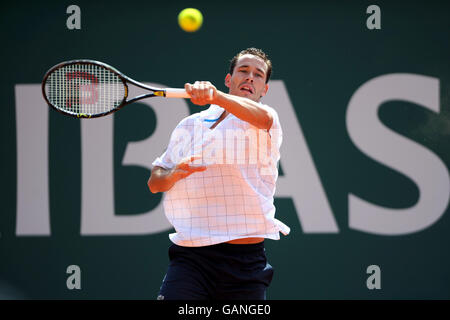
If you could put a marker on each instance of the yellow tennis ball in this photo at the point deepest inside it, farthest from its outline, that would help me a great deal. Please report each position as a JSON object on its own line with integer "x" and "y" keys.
{"x": 190, "y": 19}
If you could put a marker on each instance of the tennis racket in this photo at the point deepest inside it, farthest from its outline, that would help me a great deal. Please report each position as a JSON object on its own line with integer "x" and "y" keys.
{"x": 91, "y": 89}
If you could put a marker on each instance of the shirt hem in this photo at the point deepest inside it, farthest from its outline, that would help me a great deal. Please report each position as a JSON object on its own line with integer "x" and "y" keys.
{"x": 212, "y": 241}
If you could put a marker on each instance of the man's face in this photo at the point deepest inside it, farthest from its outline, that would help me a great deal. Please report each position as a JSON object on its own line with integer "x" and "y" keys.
{"x": 249, "y": 78}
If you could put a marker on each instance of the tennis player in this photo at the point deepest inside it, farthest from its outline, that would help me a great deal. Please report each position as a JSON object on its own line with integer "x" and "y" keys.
{"x": 219, "y": 174}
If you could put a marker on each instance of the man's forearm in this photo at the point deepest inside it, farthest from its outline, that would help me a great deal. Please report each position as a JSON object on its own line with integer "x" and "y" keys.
{"x": 245, "y": 109}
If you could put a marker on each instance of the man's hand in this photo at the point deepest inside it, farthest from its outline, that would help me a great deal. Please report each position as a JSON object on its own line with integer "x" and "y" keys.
{"x": 162, "y": 179}
{"x": 186, "y": 168}
{"x": 201, "y": 92}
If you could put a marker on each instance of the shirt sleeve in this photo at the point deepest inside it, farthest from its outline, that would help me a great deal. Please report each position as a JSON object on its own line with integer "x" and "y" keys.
{"x": 275, "y": 132}
{"x": 164, "y": 161}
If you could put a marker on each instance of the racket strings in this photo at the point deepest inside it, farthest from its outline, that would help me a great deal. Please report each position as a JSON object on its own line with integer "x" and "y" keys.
{"x": 84, "y": 89}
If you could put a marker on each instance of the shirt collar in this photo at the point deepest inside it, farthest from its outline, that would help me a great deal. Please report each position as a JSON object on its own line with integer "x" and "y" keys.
{"x": 212, "y": 113}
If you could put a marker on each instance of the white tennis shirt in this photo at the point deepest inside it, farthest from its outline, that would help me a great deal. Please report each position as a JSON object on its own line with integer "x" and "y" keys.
{"x": 233, "y": 197}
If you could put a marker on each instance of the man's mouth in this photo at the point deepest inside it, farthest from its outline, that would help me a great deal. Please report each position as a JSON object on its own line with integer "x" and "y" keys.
{"x": 247, "y": 88}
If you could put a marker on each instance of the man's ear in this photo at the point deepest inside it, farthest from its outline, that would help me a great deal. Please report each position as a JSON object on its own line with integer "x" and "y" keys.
{"x": 228, "y": 80}
{"x": 266, "y": 88}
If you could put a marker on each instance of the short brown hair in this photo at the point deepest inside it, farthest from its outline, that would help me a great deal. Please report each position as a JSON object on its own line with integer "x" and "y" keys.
{"x": 256, "y": 52}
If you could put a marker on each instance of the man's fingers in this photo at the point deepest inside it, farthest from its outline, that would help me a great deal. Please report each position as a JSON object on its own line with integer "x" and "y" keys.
{"x": 188, "y": 170}
{"x": 191, "y": 159}
{"x": 190, "y": 167}
{"x": 211, "y": 94}
{"x": 201, "y": 92}
{"x": 199, "y": 88}
{"x": 190, "y": 162}
{"x": 188, "y": 87}
{"x": 195, "y": 158}
{"x": 197, "y": 168}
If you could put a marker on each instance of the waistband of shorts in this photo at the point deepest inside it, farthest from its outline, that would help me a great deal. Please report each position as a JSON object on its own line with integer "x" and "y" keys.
{"x": 228, "y": 247}
{"x": 243, "y": 248}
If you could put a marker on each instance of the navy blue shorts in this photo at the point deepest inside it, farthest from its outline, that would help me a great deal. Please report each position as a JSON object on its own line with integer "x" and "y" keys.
{"x": 219, "y": 272}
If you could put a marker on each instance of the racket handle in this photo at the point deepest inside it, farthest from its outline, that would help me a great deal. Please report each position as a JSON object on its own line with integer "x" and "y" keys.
{"x": 181, "y": 93}
{"x": 177, "y": 93}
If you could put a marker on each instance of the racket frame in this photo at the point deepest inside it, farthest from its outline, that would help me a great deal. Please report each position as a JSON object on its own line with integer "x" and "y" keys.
{"x": 156, "y": 92}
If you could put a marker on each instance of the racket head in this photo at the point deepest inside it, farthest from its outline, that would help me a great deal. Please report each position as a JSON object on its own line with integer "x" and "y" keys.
{"x": 84, "y": 88}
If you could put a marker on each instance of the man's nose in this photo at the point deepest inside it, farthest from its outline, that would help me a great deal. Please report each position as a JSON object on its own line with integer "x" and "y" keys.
{"x": 250, "y": 76}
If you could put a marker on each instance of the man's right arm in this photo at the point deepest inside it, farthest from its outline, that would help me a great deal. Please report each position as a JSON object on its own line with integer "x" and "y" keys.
{"x": 162, "y": 180}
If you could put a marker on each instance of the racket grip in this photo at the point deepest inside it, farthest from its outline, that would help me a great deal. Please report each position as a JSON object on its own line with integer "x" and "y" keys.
{"x": 181, "y": 93}
{"x": 177, "y": 93}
